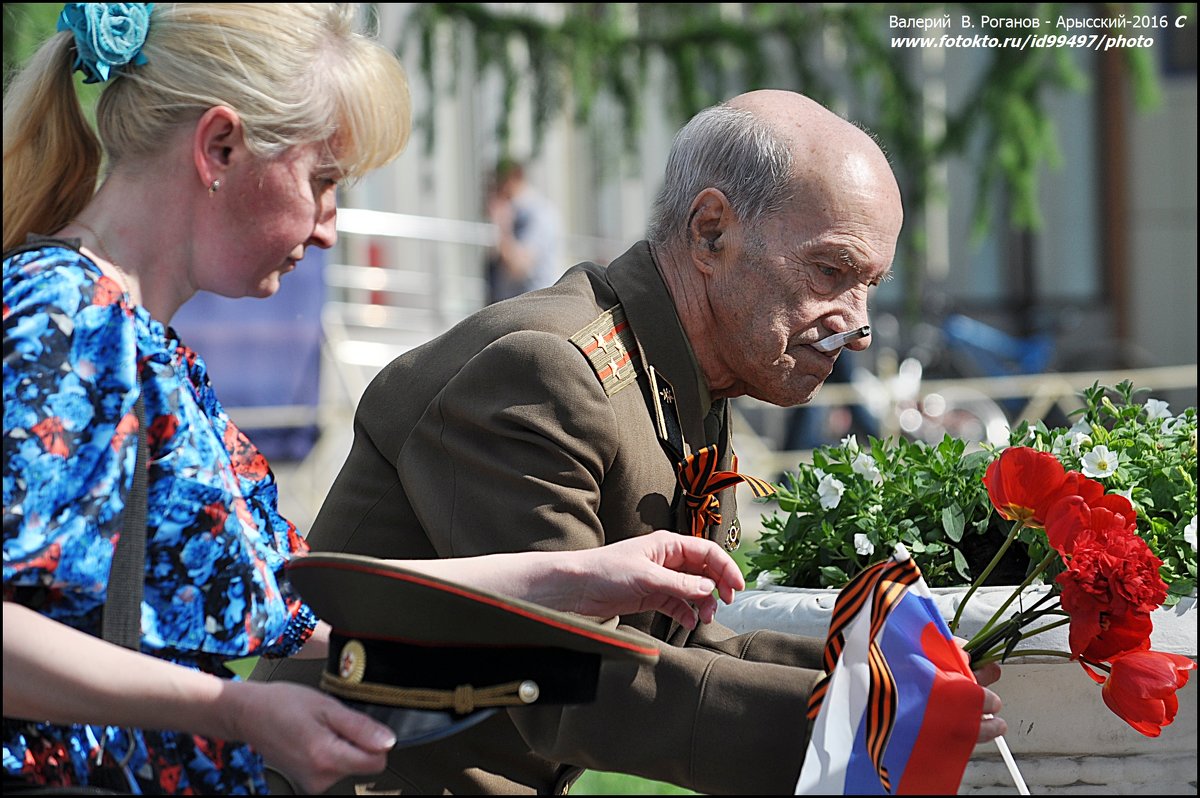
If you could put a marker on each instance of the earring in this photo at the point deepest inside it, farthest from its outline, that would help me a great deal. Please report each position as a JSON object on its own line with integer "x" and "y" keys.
{"x": 212, "y": 189}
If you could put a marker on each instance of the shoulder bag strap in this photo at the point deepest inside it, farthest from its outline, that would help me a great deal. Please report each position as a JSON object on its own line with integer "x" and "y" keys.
{"x": 34, "y": 241}
{"x": 122, "y": 621}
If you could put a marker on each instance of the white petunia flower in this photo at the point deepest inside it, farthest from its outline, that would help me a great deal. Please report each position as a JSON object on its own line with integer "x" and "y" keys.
{"x": 766, "y": 579}
{"x": 1173, "y": 425}
{"x": 864, "y": 465}
{"x": 1156, "y": 409}
{"x": 1189, "y": 533}
{"x": 1078, "y": 441}
{"x": 1059, "y": 446}
{"x": 1100, "y": 462}
{"x": 830, "y": 491}
{"x": 850, "y": 443}
{"x": 864, "y": 546}
{"x": 1082, "y": 425}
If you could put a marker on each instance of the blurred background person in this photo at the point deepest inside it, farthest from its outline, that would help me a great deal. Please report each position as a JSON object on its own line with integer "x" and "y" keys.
{"x": 526, "y": 254}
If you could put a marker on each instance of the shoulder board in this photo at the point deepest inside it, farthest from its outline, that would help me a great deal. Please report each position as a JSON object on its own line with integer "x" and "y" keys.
{"x": 611, "y": 348}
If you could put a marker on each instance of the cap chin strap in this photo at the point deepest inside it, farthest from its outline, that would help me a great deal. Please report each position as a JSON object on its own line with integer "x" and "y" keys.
{"x": 462, "y": 699}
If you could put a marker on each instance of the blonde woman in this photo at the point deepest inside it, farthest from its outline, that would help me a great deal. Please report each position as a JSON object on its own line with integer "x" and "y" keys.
{"x": 226, "y": 128}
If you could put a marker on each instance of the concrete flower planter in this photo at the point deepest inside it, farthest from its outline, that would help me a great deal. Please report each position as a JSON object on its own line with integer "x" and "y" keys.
{"x": 1064, "y": 739}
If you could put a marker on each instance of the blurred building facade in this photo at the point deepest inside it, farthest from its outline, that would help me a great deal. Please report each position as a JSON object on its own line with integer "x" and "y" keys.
{"x": 1112, "y": 267}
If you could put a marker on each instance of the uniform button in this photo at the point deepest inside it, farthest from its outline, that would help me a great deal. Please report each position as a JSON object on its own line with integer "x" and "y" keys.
{"x": 528, "y": 691}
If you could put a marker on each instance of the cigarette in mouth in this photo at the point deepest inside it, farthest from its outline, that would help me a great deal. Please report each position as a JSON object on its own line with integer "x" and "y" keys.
{"x": 835, "y": 342}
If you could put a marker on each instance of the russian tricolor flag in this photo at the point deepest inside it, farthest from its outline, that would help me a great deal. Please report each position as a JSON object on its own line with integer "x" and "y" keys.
{"x": 898, "y": 710}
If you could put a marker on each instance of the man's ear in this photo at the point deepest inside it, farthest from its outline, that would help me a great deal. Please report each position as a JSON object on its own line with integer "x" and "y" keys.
{"x": 217, "y": 143}
{"x": 710, "y": 217}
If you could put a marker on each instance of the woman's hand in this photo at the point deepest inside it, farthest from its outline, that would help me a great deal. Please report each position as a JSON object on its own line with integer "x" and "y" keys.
{"x": 308, "y": 736}
{"x": 56, "y": 673}
{"x": 664, "y": 571}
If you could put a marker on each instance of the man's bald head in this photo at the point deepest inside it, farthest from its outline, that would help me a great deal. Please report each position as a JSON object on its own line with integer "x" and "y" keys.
{"x": 830, "y": 155}
{"x": 765, "y": 149}
{"x": 799, "y": 120}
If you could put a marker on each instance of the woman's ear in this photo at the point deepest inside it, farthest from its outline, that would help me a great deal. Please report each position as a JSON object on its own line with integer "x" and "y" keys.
{"x": 217, "y": 144}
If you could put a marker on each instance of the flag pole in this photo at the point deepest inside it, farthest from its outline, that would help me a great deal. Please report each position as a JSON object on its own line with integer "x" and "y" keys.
{"x": 1011, "y": 764}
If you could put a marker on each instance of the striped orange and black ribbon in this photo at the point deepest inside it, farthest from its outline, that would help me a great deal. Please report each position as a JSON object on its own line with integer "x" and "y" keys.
{"x": 701, "y": 481}
{"x": 884, "y": 583}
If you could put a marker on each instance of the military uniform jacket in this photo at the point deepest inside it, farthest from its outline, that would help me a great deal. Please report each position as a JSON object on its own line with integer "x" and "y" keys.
{"x": 531, "y": 425}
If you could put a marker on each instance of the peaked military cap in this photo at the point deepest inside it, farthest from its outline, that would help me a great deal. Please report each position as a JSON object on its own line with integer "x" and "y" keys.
{"x": 430, "y": 657}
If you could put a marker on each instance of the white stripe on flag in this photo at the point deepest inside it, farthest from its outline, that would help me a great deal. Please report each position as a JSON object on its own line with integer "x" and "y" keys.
{"x": 836, "y": 725}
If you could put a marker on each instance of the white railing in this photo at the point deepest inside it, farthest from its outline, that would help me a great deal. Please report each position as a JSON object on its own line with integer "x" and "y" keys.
{"x": 362, "y": 333}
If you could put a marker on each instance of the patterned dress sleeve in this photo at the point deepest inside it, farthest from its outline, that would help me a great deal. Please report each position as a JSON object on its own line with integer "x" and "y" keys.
{"x": 279, "y": 540}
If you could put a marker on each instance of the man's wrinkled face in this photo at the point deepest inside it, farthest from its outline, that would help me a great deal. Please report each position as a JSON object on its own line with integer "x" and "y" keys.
{"x": 800, "y": 276}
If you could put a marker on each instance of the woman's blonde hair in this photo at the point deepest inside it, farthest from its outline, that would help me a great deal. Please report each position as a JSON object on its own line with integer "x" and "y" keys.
{"x": 296, "y": 73}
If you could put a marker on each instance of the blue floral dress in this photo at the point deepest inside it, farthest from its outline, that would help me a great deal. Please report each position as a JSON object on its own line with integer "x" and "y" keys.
{"x": 216, "y": 545}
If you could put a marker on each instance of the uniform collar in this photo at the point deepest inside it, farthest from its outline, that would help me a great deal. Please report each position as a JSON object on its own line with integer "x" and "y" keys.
{"x": 650, "y": 311}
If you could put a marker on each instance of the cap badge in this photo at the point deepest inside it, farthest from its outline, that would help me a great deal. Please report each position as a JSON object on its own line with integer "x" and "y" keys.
{"x": 352, "y": 664}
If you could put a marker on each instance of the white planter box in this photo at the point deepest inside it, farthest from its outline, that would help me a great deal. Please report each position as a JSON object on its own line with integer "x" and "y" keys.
{"x": 1063, "y": 737}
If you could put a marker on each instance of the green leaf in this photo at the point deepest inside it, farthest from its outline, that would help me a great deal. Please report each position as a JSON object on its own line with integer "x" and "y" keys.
{"x": 961, "y": 566}
{"x": 978, "y": 461}
{"x": 831, "y": 575}
{"x": 953, "y": 521}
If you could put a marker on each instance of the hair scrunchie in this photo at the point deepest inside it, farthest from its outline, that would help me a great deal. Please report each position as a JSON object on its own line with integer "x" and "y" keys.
{"x": 107, "y": 36}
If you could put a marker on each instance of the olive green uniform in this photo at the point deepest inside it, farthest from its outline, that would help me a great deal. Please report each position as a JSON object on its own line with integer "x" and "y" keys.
{"x": 547, "y": 422}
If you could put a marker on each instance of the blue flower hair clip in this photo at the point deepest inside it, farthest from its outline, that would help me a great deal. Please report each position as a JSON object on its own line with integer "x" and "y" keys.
{"x": 107, "y": 36}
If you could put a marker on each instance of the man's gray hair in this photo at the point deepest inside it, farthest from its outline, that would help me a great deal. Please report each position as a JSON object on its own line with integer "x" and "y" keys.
{"x": 730, "y": 150}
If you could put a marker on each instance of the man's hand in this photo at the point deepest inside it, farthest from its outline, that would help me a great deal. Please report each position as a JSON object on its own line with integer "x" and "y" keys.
{"x": 988, "y": 674}
{"x": 991, "y": 727}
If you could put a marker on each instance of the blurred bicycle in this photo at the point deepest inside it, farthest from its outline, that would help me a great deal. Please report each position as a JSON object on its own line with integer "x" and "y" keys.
{"x": 900, "y": 407}
{"x": 959, "y": 347}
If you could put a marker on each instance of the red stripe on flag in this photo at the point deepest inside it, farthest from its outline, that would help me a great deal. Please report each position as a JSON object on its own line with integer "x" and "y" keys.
{"x": 946, "y": 741}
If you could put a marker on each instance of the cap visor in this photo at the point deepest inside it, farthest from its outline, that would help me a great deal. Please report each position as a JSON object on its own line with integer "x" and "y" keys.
{"x": 420, "y": 726}
{"x": 372, "y": 598}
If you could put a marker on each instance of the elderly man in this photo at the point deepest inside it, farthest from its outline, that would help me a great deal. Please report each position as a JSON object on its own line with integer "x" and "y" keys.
{"x": 592, "y": 411}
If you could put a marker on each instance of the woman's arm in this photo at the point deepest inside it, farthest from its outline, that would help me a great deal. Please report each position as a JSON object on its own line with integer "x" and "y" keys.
{"x": 664, "y": 571}
{"x": 58, "y": 674}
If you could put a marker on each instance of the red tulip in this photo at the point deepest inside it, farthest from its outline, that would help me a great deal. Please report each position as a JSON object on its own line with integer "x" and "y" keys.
{"x": 1141, "y": 688}
{"x": 1023, "y": 483}
{"x": 1092, "y": 493}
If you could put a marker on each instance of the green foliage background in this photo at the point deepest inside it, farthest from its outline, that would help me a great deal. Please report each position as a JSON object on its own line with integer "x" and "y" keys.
{"x": 714, "y": 50}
